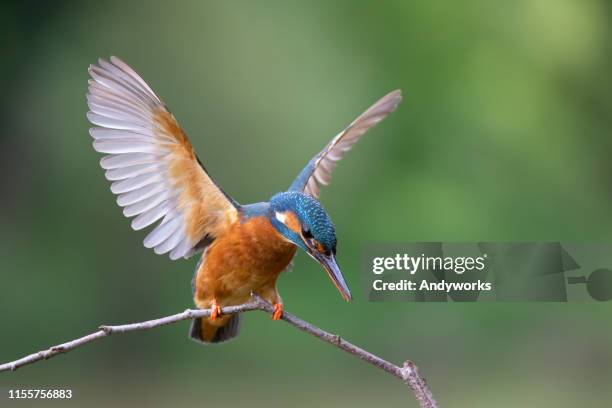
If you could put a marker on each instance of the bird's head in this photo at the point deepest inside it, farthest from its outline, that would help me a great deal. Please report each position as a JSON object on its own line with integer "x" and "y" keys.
{"x": 302, "y": 220}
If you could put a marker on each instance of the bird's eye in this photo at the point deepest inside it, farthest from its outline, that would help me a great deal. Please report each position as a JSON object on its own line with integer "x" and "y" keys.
{"x": 306, "y": 233}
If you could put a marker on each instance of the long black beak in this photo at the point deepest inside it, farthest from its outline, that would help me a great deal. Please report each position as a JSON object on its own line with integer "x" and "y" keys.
{"x": 332, "y": 269}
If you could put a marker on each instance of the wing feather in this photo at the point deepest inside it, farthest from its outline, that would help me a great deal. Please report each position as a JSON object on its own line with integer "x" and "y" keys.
{"x": 152, "y": 165}
{"x": 318, "y": 171}
{"x": 132, "y": 171}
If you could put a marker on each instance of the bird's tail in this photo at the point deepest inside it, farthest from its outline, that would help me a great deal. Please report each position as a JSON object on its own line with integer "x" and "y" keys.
{"x": 224, "y": 328}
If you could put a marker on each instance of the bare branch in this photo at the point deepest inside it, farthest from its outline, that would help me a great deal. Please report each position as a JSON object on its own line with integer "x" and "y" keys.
{"x": 408, "y": 373}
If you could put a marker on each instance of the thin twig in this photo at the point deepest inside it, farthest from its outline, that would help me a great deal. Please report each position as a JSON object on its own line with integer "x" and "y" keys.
{"x": 408, "y": 373}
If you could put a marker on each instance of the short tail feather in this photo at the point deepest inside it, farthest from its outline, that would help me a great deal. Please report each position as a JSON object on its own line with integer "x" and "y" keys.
{"x": 205, "y": 333}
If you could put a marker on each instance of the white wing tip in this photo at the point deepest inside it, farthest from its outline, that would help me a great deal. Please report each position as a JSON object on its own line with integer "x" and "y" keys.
{"x": 175, "y": 255}
{"x": 137, "y": 224}
{"x": 160, "y": 250}
{"x": 393, "y": 98}
{"x": 395, "y": 94}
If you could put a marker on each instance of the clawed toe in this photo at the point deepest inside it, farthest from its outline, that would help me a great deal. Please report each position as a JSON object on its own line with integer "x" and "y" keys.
{"x": 278, "y": 311}
{"x": 215, "y": 310}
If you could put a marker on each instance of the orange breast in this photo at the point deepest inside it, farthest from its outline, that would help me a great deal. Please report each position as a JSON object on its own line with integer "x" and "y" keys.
{"x": 248, "y": 258}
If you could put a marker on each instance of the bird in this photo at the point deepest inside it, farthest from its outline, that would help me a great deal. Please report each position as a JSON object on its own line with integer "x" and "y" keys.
{"x": 158, "y": 179}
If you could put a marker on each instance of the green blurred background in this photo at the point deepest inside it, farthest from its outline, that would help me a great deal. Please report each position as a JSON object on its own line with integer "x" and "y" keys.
{"x": 504, "y": 134}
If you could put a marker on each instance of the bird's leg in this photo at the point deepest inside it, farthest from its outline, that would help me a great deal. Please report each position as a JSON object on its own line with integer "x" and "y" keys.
{"x": 278, "y": 311}
{"x": 270, "y": 295}
{"x": 215, "y": 310}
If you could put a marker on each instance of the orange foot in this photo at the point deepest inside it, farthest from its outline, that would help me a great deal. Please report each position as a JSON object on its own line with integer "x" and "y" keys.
{"x": 215, "y": 310}
{"x": 278, "y": 311}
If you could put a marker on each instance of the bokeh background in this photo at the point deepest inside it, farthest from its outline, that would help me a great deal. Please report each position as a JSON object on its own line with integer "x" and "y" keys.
{"x": 504, "y": 134}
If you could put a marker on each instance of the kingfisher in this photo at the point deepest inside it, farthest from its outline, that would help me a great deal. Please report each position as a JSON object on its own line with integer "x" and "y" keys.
{"x": 159, "y": 179}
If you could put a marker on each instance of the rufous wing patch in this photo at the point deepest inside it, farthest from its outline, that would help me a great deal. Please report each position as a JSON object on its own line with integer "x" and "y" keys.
{"x": 207, "y": 210}
{"x": 152, "y": 165}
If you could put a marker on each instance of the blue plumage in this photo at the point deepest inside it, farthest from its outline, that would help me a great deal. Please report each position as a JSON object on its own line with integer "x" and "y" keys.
{"x": 310, "y": 213}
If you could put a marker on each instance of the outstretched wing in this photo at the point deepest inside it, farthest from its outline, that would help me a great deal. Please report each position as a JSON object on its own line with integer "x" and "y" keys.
{"x": 318, "y": 170}
{"x": 153, "y": 167}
